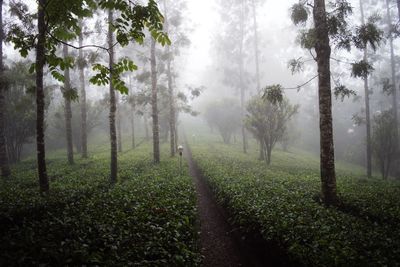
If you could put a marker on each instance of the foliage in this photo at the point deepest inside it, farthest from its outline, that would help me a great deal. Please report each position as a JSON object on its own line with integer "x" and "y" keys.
{"x": 361, "y": 69}
{"x": 278, "y": 202}
{"x": 268, "y": 121}
{"x": 343, "y": 92}
{"x": 148, "y": 219}
{"x": 224, "y": 115}
{"x": 273, "y": 94}
{"x": 20, "y": 109}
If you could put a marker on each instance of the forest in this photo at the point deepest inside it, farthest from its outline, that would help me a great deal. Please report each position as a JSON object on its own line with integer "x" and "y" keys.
{"x": 199, "y": 133}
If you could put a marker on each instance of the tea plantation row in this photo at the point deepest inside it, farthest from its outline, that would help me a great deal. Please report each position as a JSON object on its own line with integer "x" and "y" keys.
{"x": 281, "y": 203}
{"x": 148, "y": 219}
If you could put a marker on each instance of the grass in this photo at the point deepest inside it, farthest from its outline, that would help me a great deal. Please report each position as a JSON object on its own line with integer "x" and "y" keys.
{"x": 148, "y": 219}
{"x": 281, "y": 203}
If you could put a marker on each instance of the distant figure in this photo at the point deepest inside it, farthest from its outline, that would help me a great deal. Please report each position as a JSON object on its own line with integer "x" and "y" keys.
{"x": 194, "y": 138}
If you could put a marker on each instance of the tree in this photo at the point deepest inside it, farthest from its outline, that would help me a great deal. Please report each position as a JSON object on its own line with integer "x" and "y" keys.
{"x": 384, "y": 140}
{"x": 367, "y": 108}
{"x": 113, "y": 106}
{"x": 58, "y": 22}
{"x": 82, "y": 95}
{"x": 224, "y": 115}
{"x": 268, "y": 122}
{"x": 329, "y": 27}
{"x": 4, "y": 164}
{"x": 393, "y": 78}
{"x": 68, "y": 94}
{"x": 232, "y": 53}
{"x": 20, "y": 110}
{"x": 154, "y": 104}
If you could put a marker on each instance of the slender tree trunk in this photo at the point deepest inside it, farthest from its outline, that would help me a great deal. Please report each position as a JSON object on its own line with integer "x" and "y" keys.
{"x": 367, "y": 109}
{"x": 82, "y": 99}
{"x": 323, "y": 50}
{"x": 394, "y": 91}
{"x": 256, "y": 57}
{"x": 156, "y": 134}
{"x": 146, "y": 127}
{"x": 133, "y": 125}
{"x": 256, "y": 51}
{"x": 40, "y": 99}
{"x": 241, "y": 74}
{"x": 113, "y": 106}
{"x": 4, "y": 163}
{"x": 171, "y": 99}
{"x": 398, "y": 7}
{"x": 68, "y": 110}
{"x": 133, "y": 110}
{"x": 119, "y": 119}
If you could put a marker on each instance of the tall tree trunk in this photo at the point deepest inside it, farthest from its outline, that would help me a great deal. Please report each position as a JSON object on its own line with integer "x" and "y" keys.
{"x": 256, "y": 51}
{"x": 133, "y": 125}
{"x": 133, "y": 110}
{"x": 40, "y": 99}
{"x": 398, "y": 7}
{"x": 4, "y": 163}
{"x": 171, "y": 98}
{"x": 82, "y": 99}
{"x": 113, "y": 106}
{"x": 394, "y": 92}
{"x": 241, "y": 74}
{"x": 146, "y": 127}
{"x": 367, "y": 109}
{"x": 68, "y": 110}
{"x": 156, "y": 134}
{"x": 323, "y": 50}
{"x": 119, "y": 131}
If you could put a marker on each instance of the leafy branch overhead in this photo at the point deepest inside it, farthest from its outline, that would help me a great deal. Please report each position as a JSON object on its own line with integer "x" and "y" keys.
{"x": 343, "y": 36}
{"x": 63, "y": 26}
{"x": 273, "y": 94}
{"x": 102, "y": 76}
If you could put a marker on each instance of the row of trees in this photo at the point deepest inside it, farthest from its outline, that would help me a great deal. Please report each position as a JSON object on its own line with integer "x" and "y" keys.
{"x": 60, "y": 26}
{"x": 330, "y": 27}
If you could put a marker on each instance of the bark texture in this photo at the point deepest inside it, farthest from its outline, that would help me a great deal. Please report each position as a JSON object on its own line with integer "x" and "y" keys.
{"x": 113, "y": 106}
{"x": 4, "y": 163}
{"x": 327, "y": 155}
{"x": 119, "y": 130}
{"x": 171, "y": 98}
{"x": 394, "y": 84}
{"x": 40, "y": 99}
{"x": 68, "y": 110}
{"x": 367, "y": 107}
{"x": 241, "y": 76}
{"x": 82, "y": 99}
{"x": 154, "y": 107}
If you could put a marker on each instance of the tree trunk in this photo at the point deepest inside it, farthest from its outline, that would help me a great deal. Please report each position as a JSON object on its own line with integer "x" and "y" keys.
{"x": 82, "y": 99}
{"x": 156, "y": 134}
{"x": 398, "y": 7}
{"x": 146, "y": 127}
{"x": 394, "y": 91}
{"x": 119, "y": 131}
{"x": 40, "y": 98}
{"x": 327, "y": 155}
{"x": 367, "y": 109}
{"x": 241, "y": 74}
{"x": 4, "y": 163}
{"x": 262, "y": 154}
{"x": 113, "y": 106}
{"x": 171, "y": 99}
{"x": 256, "y": 52}
{"x": 133, "y": 125}
{"x": 68, "y": 110}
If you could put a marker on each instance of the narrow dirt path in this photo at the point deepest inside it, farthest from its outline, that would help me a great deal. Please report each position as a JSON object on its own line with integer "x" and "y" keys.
{"x": 218, "y": 243}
